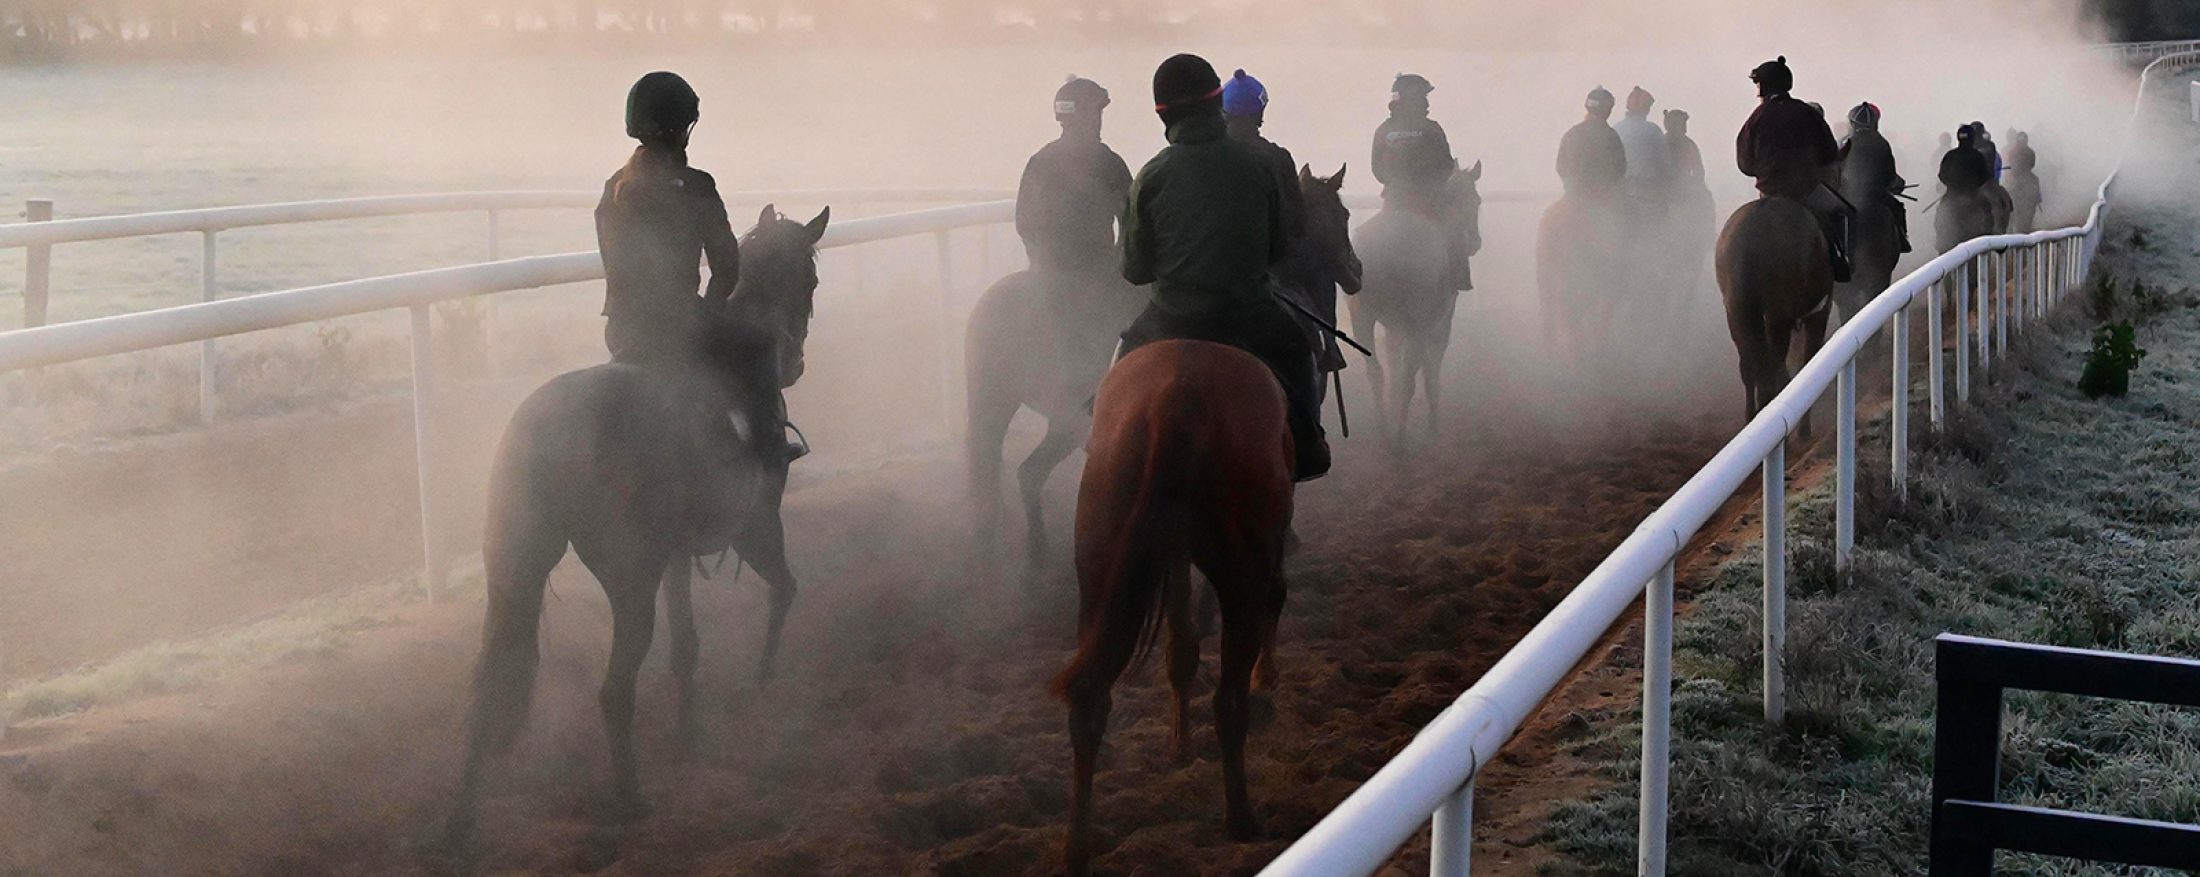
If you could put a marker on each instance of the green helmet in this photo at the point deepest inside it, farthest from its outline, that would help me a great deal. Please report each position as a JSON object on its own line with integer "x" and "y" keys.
{"x": 660, "y": 107}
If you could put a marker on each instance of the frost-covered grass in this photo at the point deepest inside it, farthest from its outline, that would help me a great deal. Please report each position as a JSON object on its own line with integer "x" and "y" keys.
{"x": 2037, "y": 515}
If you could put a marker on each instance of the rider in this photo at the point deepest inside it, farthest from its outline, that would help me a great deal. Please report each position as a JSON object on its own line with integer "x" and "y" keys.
{"x": 1412, "y": 159}
{"x": 1871, "y": 176}
{"x": 1687, "y": 158}
{"x": 1648, "y": 162}
{"x": 1788, "y": 148}
{"x": 1592, "y": 162}
{"x": 1244, "y": 110}
{"x": 1204, "y": 224}
{"x": 1964, "y": 168}
{"x": 658, "y": 221}
{"x": 1071, "y": 195}
{"x": 1986, "y": 147}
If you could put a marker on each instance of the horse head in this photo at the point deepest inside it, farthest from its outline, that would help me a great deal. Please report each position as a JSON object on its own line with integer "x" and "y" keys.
{"x": 778, "y": 284}
{"x": 1328, "y": 233}
{"x": 1465, "y": 188}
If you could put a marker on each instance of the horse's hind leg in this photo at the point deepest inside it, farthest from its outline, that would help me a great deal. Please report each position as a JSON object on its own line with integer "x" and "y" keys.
{"x": 1184, "y": 637}
{"x": 991, "y": 409}
{"x": 680, "y": 621}
{"x": 1243, "y": 620}
{"x": 1031, "y": 482}
{"x": 1432, "y": 364}
{"x": 1363, "y": 328}
{"x": 519, "y": 556}
{"x": 1814, "y": 337}
{"x": 632, "y": 587}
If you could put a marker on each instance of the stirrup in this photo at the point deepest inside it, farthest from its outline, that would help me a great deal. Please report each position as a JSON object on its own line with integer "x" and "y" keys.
{"x": 800, "y": 446}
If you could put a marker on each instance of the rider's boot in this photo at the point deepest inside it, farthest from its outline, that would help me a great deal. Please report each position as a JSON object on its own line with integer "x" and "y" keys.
{"x": 1902, "y": 227}
{"x": 1462, "y": 274}
{"x": 1301, "y": 393}
{"x": 1837, "y": 247}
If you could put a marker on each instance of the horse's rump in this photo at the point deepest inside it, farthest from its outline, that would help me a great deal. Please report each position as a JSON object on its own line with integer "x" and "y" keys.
{"x": 1403, "y": 258}
{"x": 1772, "y": 260}
{"x": 1961, "y": 216}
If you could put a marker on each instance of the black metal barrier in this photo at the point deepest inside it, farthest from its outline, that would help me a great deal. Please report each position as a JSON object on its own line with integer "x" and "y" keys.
{"x": 1969, "y": 826}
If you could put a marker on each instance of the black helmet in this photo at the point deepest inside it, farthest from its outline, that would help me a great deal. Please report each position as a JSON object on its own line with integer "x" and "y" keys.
{"x": 1185, "y": 81}
{"x": 1410, "y": 85}
{"x": 1079, "y": 96}
{"x": 660, "y": 107}
{"x": 1773, "y": 77}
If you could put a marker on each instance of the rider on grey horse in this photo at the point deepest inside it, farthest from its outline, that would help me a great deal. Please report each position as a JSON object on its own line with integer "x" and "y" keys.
{"x": 1872, "y": 176}
{"x": 1649, "y": 164}
{"x": 1071, "y": 195}
{"x": 1592, "y": 162}
{"x": 1413, "y": 160}
{"x": 657, "y": 222}
{"x": 1787, "y": 146}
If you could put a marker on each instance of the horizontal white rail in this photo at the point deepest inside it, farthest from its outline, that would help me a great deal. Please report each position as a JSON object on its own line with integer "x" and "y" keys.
{"x": 145, "y": 330}
{"x": 1371, "y": 824}
{"x": 96, "y": 228}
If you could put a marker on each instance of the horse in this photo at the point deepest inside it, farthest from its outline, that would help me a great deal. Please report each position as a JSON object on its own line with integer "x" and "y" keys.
{"x": 1009, "y": 364}
{"x": 2001, "y": 206}
{"x": 1408, "y": 290}
{"x": 1963, "y": 214}
{"x": 1190, "y": 464}
{"x": 1577, "y": 243}
{"x": 1875, "y": 244}
{"x": 605, "y": 460}
{"x": 1774, "y": 277}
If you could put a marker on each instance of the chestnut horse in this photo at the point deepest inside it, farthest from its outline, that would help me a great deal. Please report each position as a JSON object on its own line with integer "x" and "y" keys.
{"x": 612, "y": 461}
{"x": 1190, "y": 464}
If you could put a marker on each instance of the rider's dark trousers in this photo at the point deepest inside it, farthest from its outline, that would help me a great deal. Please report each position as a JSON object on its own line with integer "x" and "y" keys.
{"x": 1262, "y": 328}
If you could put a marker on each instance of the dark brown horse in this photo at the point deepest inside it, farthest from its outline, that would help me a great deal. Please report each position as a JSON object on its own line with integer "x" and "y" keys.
{"x": 1190, "y": 465}
{"x": 1775, "y": 278}
{"x": 1042, "y": 340}
{"x": 611, "y": 461}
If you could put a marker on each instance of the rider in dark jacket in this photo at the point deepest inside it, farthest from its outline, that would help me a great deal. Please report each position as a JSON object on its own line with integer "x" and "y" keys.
{"x": 1071, "y": 195}
{"x": 1964, "y": 168}
{"x": 1789, "y": 149}
{"x": 1592, "y": 161}
{"x": 1204, "y": 225}
{"x": 658, "y": 221}
{"x": 1412, "y": 159}
{"x": 1868, "y": 169}
{"x": 1686, "y": 155}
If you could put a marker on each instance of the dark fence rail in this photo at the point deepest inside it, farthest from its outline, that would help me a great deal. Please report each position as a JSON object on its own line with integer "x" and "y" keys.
{"x": 1969, "y": 826}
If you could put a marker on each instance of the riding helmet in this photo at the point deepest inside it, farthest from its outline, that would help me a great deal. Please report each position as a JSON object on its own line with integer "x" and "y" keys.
{"x": 1183, "y": 82}
{"x": 1865, "y": 116}
{"x": 1079, "y": 96}
{"x": 1639, "y": 101}
{"x": 660, "y": 107}
{"x": 1244, "y": 96}
{"x": 1598, "y": 99}
{"x": 1773, "y": 77}
{"x": 1410, "y": 85}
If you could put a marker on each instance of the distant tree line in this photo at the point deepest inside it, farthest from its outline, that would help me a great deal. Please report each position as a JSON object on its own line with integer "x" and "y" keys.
{"x": 64, "y": 29}
{"x": 2131, "y": 21}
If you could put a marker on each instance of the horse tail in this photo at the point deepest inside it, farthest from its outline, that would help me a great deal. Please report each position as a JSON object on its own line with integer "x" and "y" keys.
{"x": 1124, "y": 537}
{"x": 523, "y": 540}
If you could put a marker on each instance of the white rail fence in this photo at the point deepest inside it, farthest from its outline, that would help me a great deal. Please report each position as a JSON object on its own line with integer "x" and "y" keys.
{"x": 2012, "y": 279}
{"x": 41, "y": 232}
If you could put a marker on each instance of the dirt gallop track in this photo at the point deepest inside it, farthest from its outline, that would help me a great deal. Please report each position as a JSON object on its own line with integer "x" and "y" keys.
{"x": 909, "y": 733}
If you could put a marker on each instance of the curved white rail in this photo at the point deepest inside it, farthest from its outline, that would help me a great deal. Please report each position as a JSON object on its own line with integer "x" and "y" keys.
{"x": 1432, "y": 778}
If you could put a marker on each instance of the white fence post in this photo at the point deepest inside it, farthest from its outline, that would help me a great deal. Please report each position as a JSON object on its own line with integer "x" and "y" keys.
{"x": 1775, "y": 602}
{"x": 209, "y": 357}
{"x": 1451, "y": 834}
{"x": 1844, "y": 488}
{"x": 424, "y": 448}
{"x": 1961, "y": 293}
{"x": 1981, "y": 283}
{"x": 950, "y": 358}
{"x": 1898, "y": 437}
{"x": 1657, "y": 722}
{"x": 37, "y": 266}
{"x": 2002, "y": 302}
{"x": 1936, "y": 381}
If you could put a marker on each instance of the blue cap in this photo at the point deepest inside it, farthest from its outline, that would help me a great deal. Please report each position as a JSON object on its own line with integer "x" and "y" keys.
{"x": 1243, "y": 96}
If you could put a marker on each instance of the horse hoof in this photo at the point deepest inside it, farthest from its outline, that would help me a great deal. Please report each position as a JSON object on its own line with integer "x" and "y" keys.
{"x": 1243, "y": 828}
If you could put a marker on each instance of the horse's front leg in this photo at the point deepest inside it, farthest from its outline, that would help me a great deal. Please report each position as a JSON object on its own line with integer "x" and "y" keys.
{"x": 763, "y": 544}
{"x": 680, "y": 620}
